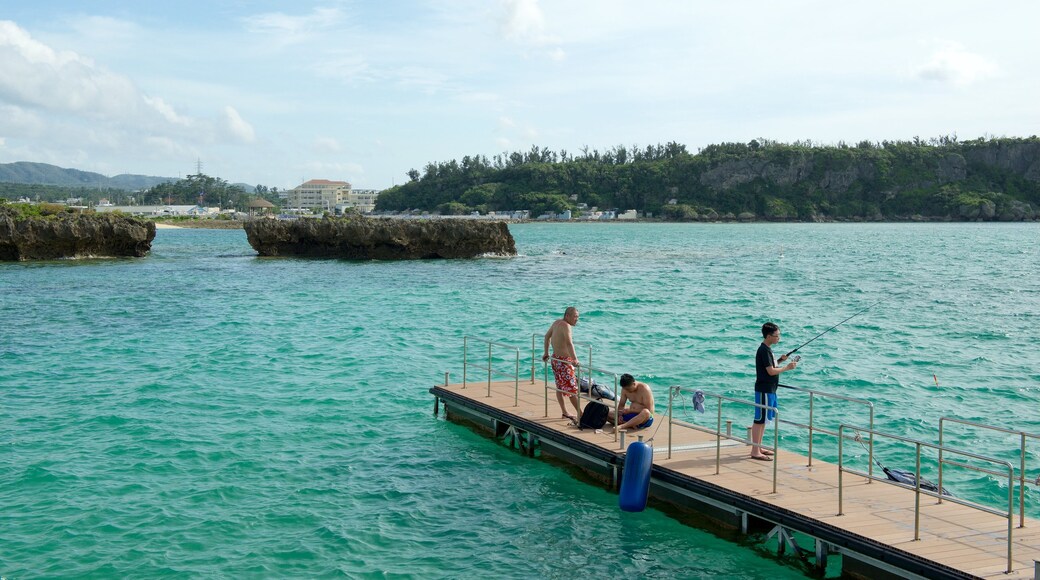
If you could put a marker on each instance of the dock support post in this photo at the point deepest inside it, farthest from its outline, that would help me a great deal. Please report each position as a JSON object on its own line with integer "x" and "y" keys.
{"x": 822, "y": 550}
{"x": 743, "y": 523}
{"x": 783, "y": 540}
{"x": 436, "y": 406}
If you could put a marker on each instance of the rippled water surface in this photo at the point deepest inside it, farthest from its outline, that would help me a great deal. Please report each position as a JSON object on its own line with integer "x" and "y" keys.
{"x": 206, "y": 412}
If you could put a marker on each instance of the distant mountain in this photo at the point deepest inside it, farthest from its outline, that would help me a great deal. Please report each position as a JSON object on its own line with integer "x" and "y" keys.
{"x": 45, "y": 174}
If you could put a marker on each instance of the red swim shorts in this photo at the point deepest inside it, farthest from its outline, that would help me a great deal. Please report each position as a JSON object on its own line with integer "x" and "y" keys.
{"x": 563, "y": 372}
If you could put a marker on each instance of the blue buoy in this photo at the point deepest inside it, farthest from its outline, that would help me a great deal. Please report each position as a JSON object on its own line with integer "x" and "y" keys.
{"x": 635, "y": 481}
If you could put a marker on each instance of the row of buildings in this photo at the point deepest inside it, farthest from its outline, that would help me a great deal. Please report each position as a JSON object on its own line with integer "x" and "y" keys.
{"x": 308, "y": 197}
{"x": 331, "y": 196}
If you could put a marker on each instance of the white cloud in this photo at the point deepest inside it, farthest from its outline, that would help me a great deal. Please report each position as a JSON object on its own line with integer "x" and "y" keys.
{"x": 523, "y": 23}
{"x": 32, "y": 74}
{"x": 46, "y": 92}
{"x": 167, "y": 111}
{"x": 327, "y": 145}
{"x": 953, "y": 64}
{"x": 344, "y": 67}
{"x": 236, "y": 126}
{"x": 284, "y": 29}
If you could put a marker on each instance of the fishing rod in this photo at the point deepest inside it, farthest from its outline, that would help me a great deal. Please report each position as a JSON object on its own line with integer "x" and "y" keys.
{"x": 833, "y": 327}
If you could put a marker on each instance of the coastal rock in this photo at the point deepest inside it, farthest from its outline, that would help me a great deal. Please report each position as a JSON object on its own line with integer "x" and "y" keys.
{"x": 1021, "y": 158}
{"x": 840, "y": 180}
{"x": 1017, "y": 211}
{"x": 379, "y": 239}
{"x": 73, "y": 235}
{"x": 953, "y": 167}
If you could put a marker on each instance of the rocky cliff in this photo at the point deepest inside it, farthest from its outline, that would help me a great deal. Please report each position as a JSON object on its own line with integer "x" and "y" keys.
{"x": 379, "y": 239}
{"x": 68, "y": 235}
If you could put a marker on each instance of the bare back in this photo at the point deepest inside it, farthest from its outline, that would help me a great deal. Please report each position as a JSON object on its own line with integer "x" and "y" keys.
{"x": 559, "y": 335}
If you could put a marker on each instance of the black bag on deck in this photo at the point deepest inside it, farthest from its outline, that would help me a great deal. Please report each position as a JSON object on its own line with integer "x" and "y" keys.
{"x": 594, "y": 416}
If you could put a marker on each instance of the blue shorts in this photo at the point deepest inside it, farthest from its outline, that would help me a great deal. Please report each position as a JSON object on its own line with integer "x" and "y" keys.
{"x": 765, "y": 415}
{"x": 626, "y": 417}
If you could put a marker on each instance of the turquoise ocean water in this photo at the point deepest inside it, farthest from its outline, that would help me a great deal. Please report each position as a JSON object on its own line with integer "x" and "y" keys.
{"x": 204, "y": 412}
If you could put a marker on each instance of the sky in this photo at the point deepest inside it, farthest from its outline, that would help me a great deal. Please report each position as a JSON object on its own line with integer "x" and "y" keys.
{"x": 277, "y": 93}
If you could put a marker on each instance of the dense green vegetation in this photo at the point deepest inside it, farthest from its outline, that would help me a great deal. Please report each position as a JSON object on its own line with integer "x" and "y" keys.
{"x": 48, "y": 211}
{"x": 940, "y": 179}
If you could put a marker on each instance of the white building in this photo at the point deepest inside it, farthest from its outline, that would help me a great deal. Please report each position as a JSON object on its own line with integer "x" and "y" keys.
{"x": 318, "y": 194}
{"x": 323, "y": 194}
{"x": 363, "y": 199}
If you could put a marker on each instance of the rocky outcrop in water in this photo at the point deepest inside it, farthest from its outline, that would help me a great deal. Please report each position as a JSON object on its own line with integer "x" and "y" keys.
{"x": 360, "y": 238}
{"x": 72, "y": 235}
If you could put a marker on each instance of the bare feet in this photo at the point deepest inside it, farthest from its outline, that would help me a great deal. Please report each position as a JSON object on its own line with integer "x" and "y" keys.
{"x": 762, "y": 457}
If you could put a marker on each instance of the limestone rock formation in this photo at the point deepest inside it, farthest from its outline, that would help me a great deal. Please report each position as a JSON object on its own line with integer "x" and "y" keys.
{"x": 358, "y": 238}
{"x": 72, "y": 235}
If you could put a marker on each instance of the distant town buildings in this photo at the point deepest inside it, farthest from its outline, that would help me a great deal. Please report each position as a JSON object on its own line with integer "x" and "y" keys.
{"x": 318, "y": 194}
{"x": 331, "y": 196}
{"x": 162, "y": 210}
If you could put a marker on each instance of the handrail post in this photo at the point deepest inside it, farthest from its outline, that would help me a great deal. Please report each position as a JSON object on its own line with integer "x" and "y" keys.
{"x": 870, "y": 465}
{"x": 671, "y": 398}
{"x": 465, "y": 341}
{"x": 617, "y": 416}
{"x": 941, "y": 420}
{"x": 1011, "y": 516}
{"x": 917, "y": 492}
{"x": 516, "y": 381}
{"x": 812, "y": 398}
{"x": 489, "y": 369}
{"x": 841, "y": 468}
{"x": 776, "y": 445}
{"x": 545, "y": 385}
{"x": 1022, "y": 484}
{"x": 533, "y": 336}
{"x": 718, "y": 440}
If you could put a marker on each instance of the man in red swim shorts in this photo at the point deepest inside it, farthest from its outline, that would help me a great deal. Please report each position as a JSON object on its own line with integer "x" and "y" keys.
{"x": 564, "y": 361}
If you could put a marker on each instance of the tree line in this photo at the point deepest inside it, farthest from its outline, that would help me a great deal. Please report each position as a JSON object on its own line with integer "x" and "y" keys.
{"x": 941, "y": 177}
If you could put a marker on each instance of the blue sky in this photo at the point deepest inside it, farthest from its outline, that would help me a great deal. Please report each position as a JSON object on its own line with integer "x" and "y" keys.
{"x": 276, "y": 93}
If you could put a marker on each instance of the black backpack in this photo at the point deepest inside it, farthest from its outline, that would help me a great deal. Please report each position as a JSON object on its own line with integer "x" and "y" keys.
{"x": 594, "y": 416}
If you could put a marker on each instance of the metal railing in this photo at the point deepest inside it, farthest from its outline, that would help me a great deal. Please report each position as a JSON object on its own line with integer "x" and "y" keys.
{"x": 489, "y": 368}
{"x": 1022, "y": 466}
{"x": 677, "y": 391}
{"x": 813, "y": 394}
{"x": 534, "y": 351}
{"x": 918, "y": 491}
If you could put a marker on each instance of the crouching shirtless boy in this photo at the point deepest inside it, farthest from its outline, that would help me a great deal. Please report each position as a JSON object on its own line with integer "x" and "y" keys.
{"x": 636, "y": 405}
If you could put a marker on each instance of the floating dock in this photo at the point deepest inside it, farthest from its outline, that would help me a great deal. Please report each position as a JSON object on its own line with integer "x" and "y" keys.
{"x": 878, "y": 529}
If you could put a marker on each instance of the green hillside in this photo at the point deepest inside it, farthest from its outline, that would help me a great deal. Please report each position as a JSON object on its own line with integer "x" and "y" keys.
{"x": 984, "y": 179}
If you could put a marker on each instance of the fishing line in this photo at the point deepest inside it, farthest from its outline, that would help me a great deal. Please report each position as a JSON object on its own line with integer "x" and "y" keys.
{"x": 833, "y": 327}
